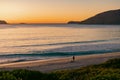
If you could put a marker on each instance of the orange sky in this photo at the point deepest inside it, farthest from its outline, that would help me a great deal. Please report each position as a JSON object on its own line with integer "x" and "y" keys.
{"x": 52, "y": 11}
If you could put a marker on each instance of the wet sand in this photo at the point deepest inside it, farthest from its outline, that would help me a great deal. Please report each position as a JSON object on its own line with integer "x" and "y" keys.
{"x": 61, "y": 63}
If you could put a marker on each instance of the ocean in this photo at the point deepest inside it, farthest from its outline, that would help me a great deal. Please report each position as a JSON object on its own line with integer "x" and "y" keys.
{"x": 25, "y": 42}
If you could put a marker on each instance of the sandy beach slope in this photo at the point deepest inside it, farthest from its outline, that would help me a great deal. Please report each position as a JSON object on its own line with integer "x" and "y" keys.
{"x": 61, "y": 63}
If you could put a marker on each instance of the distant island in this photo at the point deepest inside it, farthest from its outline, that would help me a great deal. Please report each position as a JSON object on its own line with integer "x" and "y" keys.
{"x": 3, "y": 22}
{"x": 108, "y": 17}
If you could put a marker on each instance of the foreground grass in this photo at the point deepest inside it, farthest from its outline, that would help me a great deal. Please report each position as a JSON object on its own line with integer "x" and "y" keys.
{"x": 109, "y": 70}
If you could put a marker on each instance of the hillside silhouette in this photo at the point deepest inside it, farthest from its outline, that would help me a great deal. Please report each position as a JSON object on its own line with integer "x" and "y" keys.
{"x": 108, "y": 17}
{"x": 3, "y": 22}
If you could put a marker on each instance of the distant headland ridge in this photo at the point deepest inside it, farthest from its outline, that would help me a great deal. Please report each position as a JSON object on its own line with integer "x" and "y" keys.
{"x": 3, "y": 22}
{"x": 108, "y": 17}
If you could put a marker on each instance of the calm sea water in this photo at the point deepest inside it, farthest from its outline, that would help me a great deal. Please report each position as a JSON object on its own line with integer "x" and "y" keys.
{"x": 31, "y": 42}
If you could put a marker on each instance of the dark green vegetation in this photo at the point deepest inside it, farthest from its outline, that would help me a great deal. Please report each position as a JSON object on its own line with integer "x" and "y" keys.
{"x": 108, "y": 17}
{"x": 109, "y": 70}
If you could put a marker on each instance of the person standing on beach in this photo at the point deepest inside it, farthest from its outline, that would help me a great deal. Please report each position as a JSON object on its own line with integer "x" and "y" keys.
{"x": 73, "y": 58}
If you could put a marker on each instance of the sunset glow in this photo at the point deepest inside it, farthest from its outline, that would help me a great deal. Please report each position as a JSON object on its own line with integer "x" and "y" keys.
{"x": 52, "y": 11}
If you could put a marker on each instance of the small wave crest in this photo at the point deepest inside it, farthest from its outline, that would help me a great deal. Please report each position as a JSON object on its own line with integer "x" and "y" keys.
{"x": 52, "y": 54}
{"x": 66, "y": 43}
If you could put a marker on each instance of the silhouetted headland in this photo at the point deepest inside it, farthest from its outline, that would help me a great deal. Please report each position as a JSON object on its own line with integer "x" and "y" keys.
{"x": 22, "y": 23}
{"x": 3, "y": 22}
{"x": 108, "y": 17}
{"x": 74, "y": 22}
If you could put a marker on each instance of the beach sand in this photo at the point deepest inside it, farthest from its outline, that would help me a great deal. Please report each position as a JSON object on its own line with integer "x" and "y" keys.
{"x": 61, "y": 63}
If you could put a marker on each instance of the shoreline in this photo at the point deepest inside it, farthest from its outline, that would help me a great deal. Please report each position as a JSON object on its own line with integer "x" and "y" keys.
{"x": 61, "y": 63}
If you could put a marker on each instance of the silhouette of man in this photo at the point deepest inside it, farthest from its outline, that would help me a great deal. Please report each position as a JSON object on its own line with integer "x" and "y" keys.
{"x": 73, "y": 58}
